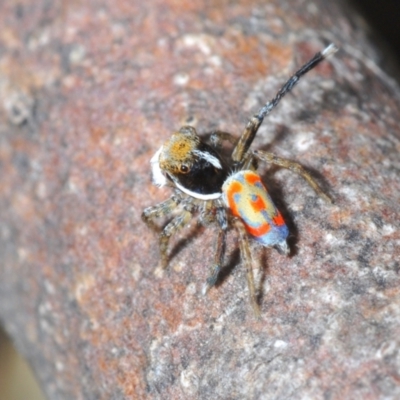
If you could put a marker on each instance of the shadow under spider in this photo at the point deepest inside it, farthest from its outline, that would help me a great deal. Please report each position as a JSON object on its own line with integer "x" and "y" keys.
{"x": 190, "y": 234}
{"x": 264, "y": 266}
{"x": 228, "y": 267}
{"x": 274, "y": 189}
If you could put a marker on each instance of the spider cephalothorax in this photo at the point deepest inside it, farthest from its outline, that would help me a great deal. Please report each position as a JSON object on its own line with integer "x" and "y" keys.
{"x": 227, "y": 192}
{"x": 190, "y": 164}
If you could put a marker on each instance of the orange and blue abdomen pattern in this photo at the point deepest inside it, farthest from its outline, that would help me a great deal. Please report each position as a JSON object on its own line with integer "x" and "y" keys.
{"x": 247, "y": 198}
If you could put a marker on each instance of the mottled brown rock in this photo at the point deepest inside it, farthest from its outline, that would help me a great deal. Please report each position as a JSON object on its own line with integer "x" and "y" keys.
{"x": 89, "y": 91}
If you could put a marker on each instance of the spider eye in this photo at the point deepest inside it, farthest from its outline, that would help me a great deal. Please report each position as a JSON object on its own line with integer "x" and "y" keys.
{"x": 184, "y": 168}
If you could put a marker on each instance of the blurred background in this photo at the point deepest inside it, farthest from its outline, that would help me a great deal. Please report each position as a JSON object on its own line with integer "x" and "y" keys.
{"x": 17, "y": 381}
{"x": 382, "y": 17}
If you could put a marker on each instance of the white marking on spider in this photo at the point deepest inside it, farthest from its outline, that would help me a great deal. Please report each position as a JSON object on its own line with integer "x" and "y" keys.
{"x": 200, "y": 196}
{"x": 208, "y": 157}
{"x": 159, "y": 178}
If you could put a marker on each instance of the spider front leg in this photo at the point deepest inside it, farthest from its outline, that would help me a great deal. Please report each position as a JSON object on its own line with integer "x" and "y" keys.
{"x": 246, "y": 159}
{"x": 252, "y": 126}
{"x": 294, "y": 167}
{"x": 170, "y": 229}
{"x": 247, "y": 261}
{"x": 160, "y": 210}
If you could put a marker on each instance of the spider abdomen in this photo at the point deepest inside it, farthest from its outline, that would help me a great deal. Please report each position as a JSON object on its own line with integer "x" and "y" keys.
{"x": 247, "y": 198}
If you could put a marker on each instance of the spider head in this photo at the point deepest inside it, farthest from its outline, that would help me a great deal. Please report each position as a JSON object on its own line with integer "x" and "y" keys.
{"x": 178, "y": 153}
{"x": 189, "y": 164}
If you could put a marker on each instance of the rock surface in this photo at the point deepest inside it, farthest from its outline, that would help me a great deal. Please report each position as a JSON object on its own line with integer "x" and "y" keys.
{"x": 88, "y": 92}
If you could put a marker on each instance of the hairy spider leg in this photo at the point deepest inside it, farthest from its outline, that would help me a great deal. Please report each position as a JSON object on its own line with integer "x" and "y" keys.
{"x": 252, "y": 126}
{"x": 247, "y": 162}
{"x": 173, "y": 227}
{"x": 207, "y": 216}
{"x": 163, "y": 209}
{"x": 294, "y": 167}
